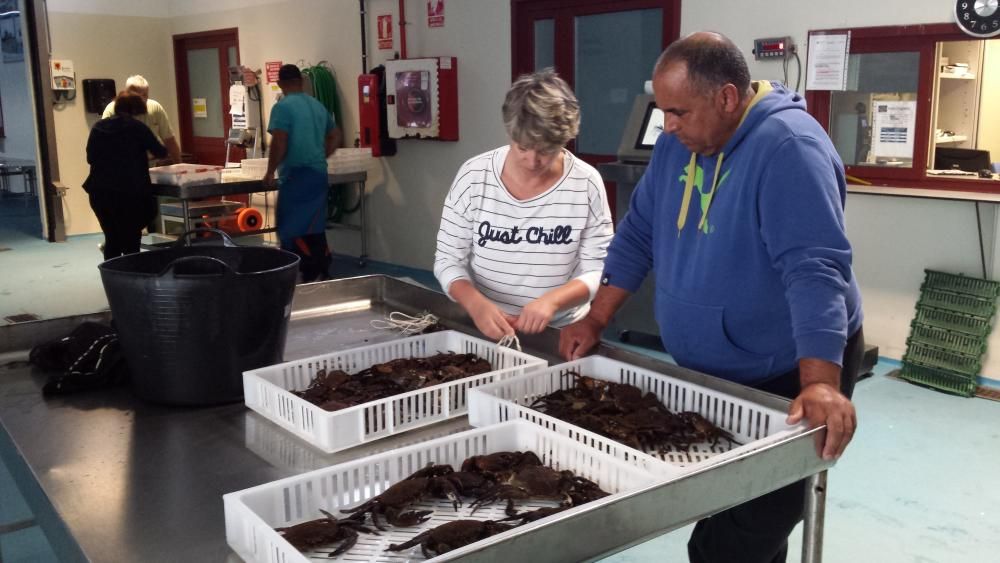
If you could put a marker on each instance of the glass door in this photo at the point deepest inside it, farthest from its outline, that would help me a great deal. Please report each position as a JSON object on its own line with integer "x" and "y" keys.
{"x": 604, "y": 50}
{"x": 202, "y": 69}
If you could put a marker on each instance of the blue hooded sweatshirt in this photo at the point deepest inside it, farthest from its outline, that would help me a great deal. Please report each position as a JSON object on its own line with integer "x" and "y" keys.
{"x": 757, "y": 273}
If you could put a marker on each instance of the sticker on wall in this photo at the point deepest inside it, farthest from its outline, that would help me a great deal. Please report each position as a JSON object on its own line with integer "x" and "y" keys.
{"x": 271, "y": 68}
{"x": 199, "y": 107}
{"x": 385, "y": 31}
{"x": 435, "y": 13}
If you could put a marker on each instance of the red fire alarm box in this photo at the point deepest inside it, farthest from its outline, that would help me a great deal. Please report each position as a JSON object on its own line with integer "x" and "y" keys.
{"x": 422, "y": 98}
{"x": 368, "y": 113}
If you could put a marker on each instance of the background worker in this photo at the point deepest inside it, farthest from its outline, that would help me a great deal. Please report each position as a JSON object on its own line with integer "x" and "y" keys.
{"x": 155, "y": 117}
{"x": 303, "y": 135}
{"x": 118, "y": 184}
{"x": 741, "y": 215}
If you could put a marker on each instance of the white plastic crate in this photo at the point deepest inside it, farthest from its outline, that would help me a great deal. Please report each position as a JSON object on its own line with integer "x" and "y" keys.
{"x": 254, "y": 168}
{"x": 186, "y": 174}
{"x": 750, "y": 424}
{"x": 266, "y": 390}
{"x": 252, "y": 514}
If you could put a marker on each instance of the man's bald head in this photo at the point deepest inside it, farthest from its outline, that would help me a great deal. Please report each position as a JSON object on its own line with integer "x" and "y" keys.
{"x": 711, "y": 60}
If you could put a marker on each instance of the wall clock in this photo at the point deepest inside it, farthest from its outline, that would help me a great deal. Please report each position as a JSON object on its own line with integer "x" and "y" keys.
{"x": 978, "y": 18}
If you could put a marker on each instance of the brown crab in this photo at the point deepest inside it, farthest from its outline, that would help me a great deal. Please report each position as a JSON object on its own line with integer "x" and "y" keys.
{"x": 540, "y": 482}
{"x": 392, "y": 504}
{"x": 322, "y": 531}
{"x": 452, "y": 535}
{"x": 500, "y": 465}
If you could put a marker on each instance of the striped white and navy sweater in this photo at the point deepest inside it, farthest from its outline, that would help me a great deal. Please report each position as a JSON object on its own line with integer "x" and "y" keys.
{"x": 515, "y": 251}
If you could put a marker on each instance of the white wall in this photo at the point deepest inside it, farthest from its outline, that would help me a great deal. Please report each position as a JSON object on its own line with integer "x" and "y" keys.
{"x": 102, "y": 46}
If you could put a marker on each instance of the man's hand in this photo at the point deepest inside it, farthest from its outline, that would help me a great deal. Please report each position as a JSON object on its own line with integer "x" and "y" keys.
{"x": 268, "y": 180}
{"x": 535, "y": 316}
{"x": 490, "y": 320}
{"x": 822, "y": 403}
{"x": 578, "y": 338}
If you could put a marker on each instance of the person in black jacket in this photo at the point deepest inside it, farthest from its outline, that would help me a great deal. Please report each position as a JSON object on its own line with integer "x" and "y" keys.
{"x": 118, "y": 184}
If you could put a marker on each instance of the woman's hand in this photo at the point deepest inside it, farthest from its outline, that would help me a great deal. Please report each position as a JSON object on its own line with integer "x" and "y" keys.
{"x": 536, "y": 315}
{"x": 490, "y": 320}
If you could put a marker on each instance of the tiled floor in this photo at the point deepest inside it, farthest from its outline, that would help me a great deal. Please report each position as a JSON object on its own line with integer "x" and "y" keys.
{"x": 916, "y": 485}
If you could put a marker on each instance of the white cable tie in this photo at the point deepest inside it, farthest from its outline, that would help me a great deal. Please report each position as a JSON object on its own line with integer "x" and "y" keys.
{"x": 406, "y": 325}
{"x": 509, "y": 341}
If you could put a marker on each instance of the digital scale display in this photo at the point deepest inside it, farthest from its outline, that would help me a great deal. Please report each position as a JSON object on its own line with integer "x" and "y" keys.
{"x": 771, "y": 47}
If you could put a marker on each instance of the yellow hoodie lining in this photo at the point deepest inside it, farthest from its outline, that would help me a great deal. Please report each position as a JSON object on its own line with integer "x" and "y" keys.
{"x": 763, "y": 88}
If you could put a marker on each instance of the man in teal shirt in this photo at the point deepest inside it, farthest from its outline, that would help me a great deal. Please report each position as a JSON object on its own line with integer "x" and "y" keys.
{"x": 303, "y": 134}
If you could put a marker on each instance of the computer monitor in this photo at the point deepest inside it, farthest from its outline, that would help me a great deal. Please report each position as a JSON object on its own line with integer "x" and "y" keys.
{"x": 644, "y": 125}
{"x": 969, "y": 160}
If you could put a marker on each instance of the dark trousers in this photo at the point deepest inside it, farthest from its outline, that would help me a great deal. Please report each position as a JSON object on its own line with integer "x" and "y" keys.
{"x": 122, "y": 217}
{"x": 757, "y": 531}
{"x": 314, "y": 253}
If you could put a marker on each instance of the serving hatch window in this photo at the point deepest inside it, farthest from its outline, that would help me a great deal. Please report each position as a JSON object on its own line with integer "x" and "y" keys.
{"x": 920, "y": 108}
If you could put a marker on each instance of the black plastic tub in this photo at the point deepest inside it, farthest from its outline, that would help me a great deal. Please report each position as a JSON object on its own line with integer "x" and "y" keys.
{"x": 192, "y": 318}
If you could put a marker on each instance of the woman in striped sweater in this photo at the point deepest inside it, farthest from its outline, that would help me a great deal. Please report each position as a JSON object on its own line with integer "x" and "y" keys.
{"x": 526, "y": 226}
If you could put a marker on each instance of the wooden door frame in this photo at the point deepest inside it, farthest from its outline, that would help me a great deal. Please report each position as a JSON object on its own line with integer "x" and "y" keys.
{"x": 184, "y": 110}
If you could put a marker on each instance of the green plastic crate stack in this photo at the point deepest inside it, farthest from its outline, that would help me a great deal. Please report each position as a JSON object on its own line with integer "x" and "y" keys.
{"x": 948, "y": 334}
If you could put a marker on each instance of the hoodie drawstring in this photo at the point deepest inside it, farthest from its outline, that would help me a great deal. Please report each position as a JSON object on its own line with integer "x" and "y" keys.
{"x": 689, "y": 189}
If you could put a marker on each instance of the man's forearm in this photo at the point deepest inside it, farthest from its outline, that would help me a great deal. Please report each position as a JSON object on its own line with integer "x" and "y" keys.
{"x": 606, "y": 303}
{"x": 279, "y": 145}
{"x": 333, "y": 140}
{"x": 815, "y": 370}
{"x": 173, "y": 149}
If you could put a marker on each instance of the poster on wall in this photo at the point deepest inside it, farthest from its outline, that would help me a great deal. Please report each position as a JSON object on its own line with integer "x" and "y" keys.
{"x": 11, "y": 42}
{"x": 199, "y": 107}
{"x": 271, "y": 69}
{"x": 385, "y": 31}
{"x": 828, "y": 56}
{"x": 894, "y": 124}
{"x": 435, "y": 13}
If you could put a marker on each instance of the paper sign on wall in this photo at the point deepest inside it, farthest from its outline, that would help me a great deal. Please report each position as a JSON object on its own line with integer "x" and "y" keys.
{"x": 385, "y": 31}
{"x": 827, "y": 66}
{"x": 199, "y": 107}
{"x": 894, "y": 123}
{"x": 271, "y": 69}
{"x": 435, "y": 13}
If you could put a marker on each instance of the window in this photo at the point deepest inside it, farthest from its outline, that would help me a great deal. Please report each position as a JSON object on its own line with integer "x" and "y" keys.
{"x": 921, "y": 108}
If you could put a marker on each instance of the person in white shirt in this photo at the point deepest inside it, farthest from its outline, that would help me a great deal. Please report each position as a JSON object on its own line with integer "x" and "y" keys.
{"x": 525, "y": 227}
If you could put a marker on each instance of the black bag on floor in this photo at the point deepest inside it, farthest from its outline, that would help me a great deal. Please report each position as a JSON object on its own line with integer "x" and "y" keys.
{"x": 88, "y": 358}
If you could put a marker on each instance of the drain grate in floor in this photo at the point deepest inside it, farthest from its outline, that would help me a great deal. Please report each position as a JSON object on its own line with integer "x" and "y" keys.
{"x": 22, "y": 318}
{"x": 988, "y": 393}
{"x": 3, "y": 249}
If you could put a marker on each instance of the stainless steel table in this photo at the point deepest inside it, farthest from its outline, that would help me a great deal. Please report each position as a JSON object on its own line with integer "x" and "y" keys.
{"x": 115, "y": 479}
{"x": 186, "y": 194}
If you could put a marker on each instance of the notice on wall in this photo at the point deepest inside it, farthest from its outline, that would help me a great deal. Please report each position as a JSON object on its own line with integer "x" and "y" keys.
{"x": 435, "y": 13}
{"x": 271, "y": 69}
{"x": 894, "y": 124}
{"x": 199, "y": 107}
{"x": 385, "y": 31}
{"x": 827, "y": 65}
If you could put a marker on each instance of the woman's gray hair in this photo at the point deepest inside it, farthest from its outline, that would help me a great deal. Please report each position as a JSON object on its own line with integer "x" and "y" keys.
{"x": 541, "y": 112}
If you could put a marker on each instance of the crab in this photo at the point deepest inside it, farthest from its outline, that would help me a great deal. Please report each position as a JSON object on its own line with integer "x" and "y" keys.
{"x": 315, "y": 533}
{"x": 697, "y": 428}
{"x": 392, "y": 504}
{"x": 540, "y": 482}
{"x": 500, "y": 465}
{"x": 532, "y": 515}
{"x": 452, "y": 535}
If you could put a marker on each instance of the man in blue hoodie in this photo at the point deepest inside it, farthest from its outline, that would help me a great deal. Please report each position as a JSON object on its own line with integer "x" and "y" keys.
{"x": 741, "y": 216}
